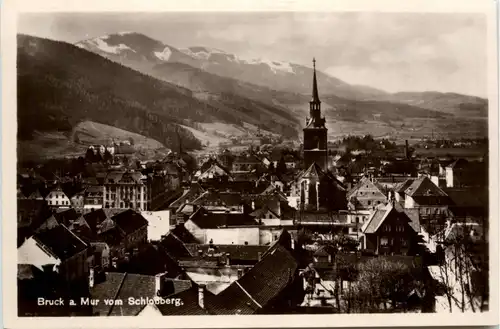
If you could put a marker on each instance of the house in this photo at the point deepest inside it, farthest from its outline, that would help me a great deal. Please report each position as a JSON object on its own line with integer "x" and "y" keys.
{"x": 134, "y": 227}
{"x": 223, "y": 228}
{"x": 93, "y": 197}
{"x": 462, "y": 173}
{"x": 57, "y": 198}
{"x": 58, "y": 248}
{"x": 246, "y": 163}
{"x": 139, "y": 294}
{"x": 366, "y": 194}
{"x": 78, "y": 200}
{"x": 270, "y": 287}
{"x": 189, "y": 194}
{"x": 391, "y": 230}
{"x": 158, "y": 223}
{"x": 426, "y": 196}
{"x": 216, "y": 201}
{"x": 215, "y": 171}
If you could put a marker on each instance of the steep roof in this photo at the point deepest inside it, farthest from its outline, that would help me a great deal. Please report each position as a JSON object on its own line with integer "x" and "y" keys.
{"x": 423, "y": 186}
{"x": 62, "y": 242}
{"x": 401, "y": 187}
{"x": 381, "y": 214}
{"x": 130, "y": 221}
{"x": 365, "y": 181}
{"x": 259, "y": 286}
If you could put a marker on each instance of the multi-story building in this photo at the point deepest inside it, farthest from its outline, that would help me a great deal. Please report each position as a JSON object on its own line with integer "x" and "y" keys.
{"x": 125, "y": 190}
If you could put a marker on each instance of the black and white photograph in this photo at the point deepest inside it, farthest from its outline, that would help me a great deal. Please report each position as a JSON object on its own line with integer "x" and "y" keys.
{"x": 266, "y": 162}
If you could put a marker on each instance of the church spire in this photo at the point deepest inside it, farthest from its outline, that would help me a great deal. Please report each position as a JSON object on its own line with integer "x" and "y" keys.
{"x": 315, "y": 96}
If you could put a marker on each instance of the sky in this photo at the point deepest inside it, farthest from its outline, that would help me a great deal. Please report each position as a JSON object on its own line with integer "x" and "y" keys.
{"x": 391, "y": 51}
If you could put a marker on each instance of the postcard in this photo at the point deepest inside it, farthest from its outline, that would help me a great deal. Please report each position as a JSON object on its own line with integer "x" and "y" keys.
{"x": 249, "y": 164}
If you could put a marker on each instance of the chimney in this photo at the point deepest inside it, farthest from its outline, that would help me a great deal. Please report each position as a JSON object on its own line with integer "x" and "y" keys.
{"x": 159, "y": 282}
{"x": 201, "y": 295}
{"x": 407, "y": 155}
{"x": 228, "y": 259}
{"x": 240, "y": 273}
{"x": 91, "y": 278}
{"x": 292, "y": 244}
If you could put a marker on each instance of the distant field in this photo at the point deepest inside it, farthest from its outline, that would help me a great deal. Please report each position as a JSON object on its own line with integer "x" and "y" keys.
{"x": 454, "y": 152}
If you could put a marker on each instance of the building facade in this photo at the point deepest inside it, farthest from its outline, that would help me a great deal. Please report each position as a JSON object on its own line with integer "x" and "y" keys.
{"x": 315, "y": 132}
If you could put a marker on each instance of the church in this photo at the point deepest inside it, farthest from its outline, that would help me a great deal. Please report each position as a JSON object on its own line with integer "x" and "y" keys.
{"x": 316, "y": 188}
{"x": 315, "y": 131}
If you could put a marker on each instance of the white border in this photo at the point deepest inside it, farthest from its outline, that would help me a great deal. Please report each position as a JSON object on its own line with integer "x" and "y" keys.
{"x": 8, "y": 43}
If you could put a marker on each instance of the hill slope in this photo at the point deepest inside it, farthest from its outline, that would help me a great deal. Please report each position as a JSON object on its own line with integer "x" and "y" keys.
{"x": 141, "y": 52}
{"x": 460, "y": 105}
{"x": 60, "y": 85}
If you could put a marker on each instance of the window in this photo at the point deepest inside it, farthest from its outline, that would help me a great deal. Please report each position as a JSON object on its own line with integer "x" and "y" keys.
{"x": 357, "y": 220}
{"x": 57, "y": 202}
{"x": 404, "y": 242}
{"x": 369, "y": 202}
{"x": 384, "y": 241}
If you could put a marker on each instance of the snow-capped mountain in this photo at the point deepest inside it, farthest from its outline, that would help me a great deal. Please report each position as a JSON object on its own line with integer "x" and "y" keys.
{"x": 143, "y": 53}
{"x": 130, "y": 47}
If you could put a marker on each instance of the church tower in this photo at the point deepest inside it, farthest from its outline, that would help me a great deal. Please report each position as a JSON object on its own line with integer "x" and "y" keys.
{"x": 315, "y": 132}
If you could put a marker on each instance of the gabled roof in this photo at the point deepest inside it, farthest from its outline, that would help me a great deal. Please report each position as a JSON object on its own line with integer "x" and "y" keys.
{"x": 66, "y": 216}
{"x": 175, "y": 247}
{"x": 262, "y": 211}
{"x": 401, "y": 187}
{"x": 458, "y": 164}
{"x": 60, "y": 241}
{"x": 36, "y": 195}
{"x": 130, "y": 221}
{"x": 259, "y": 286}
{"x": 423, "y": 186}
{"x": 366, "y": 181}
{"x": 314, "y": 171}
{"x": 194, "y": 191}
{"x": 379, "y": 215}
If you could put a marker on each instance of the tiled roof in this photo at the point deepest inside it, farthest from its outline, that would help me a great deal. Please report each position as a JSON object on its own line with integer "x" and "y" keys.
{"x": 190, "y": 194}
{"x": 137, "y": 286}
{"x": 207, "y": 220}
{"x": 401, "y": 187}
{"x": 130, "y": 221}
{"x": 61, "y": 241}
{"x": 423, "y": 186}
{"x": 183, "y": 234}
{"x": 108, "y": 289}
{"x": 259, "y": 286}
{"x": 174, "y": 246}
{"x": 380, "y": 214}
{"x": 190, "y": 304}
{"x": 66, "y": 216}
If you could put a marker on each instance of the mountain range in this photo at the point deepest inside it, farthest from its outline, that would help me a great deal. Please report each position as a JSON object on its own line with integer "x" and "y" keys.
{"x": 142, "y": 85}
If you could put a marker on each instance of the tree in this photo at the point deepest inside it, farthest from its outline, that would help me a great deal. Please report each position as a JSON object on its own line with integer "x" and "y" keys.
{"x": 281, "y": 166}
{"x": 89, "y": 156}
